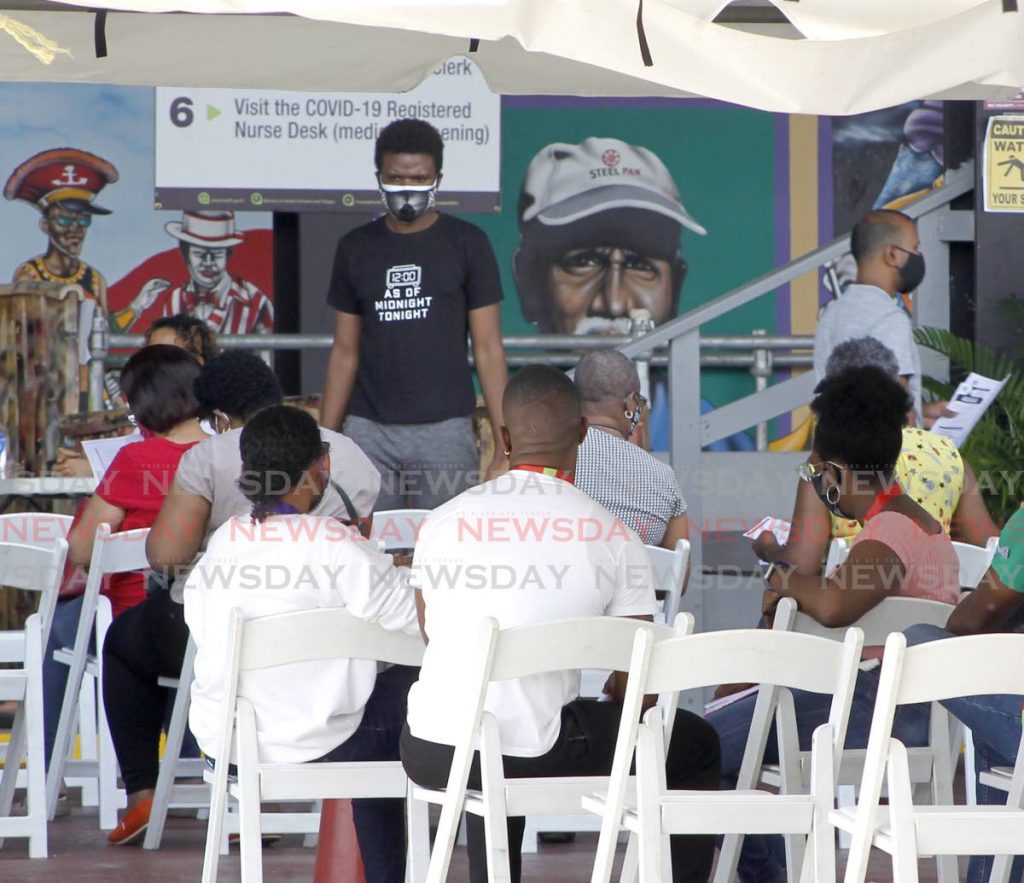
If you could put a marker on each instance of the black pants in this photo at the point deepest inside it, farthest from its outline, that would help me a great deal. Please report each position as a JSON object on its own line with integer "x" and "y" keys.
{"x": 585, "y": 747}
{"x": 143, "y": 644}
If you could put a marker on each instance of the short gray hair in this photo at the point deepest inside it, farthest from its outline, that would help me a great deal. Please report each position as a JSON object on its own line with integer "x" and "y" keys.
{"x": 605, "y": 374}
{"x": 861, "y": 351}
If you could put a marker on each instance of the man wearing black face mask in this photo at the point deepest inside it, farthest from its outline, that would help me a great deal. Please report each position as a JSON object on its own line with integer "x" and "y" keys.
{"x": 886, "y": 246}
{"x": 406, "y": 289}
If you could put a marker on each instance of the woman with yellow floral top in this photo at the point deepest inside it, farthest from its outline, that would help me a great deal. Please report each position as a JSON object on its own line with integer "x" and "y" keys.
{"x": 929, "y": 469}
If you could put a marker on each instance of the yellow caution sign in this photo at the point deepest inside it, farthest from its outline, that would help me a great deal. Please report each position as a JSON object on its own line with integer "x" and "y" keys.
{"x": 1004, "y": 164}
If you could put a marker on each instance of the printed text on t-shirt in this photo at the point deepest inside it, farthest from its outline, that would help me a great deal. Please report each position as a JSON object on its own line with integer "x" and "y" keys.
{"x": 402, "y": 300}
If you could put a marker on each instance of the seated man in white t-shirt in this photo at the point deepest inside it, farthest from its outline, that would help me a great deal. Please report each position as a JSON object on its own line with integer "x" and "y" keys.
{"x": 282, "y": 559}
{"x": 529, "y": 547}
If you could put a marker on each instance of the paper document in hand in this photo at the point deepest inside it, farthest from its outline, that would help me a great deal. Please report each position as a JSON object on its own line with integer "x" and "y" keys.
{"x": 100, "y": 452}
{"x": 970, "y": 401}
{"x": 777, "y": 526}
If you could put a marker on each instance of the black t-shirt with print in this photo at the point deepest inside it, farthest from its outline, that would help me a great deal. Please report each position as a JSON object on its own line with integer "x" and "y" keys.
{"x": 414, "y": 292}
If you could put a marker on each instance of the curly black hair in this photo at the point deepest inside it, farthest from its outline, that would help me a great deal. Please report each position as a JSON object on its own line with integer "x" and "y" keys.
{"x": 409, "y": 136}
{"x": 239, "y": 383}
{"x": 157, "y": 382}
{"x": 199, "y": 338}
{"x": 277, "y": 445}
{"x": 861, "y": 413}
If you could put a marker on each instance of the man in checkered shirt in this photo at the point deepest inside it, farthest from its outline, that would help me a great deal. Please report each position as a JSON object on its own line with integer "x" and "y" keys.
{"x": 611, "y": 468}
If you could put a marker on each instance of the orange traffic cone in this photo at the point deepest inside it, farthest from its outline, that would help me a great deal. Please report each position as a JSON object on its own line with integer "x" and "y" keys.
{"x": 337, "y": 852}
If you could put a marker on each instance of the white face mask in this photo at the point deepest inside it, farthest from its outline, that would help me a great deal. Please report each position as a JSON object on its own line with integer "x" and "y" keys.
{"x": 405, "y": 202}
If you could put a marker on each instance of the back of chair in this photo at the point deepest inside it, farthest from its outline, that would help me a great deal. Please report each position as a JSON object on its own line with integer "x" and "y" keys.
{"x": 973, "y": 665}
{"x": 602, "y": 642}
{"x": 34, "y": 528}
{"x": 304, "y": 636}
{"x": 322, "y": 633}
{"x": 785, "y": 659}
{"x": 975, "y": 561}
{"x": 669, "y": 567}
{"x": 398, "y": 528}
{"x": 122, "y": 552}
{"x": 891, "y": 615}
{"x": 33, "y": 568}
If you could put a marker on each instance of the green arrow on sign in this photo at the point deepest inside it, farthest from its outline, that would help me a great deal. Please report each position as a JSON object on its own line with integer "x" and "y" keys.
{"x": 211, "y": 112}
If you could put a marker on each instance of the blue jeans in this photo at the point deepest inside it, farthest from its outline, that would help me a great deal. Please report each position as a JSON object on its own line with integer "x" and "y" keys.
{"x": 995, "y": 722}
{"x": 55, "y": 674}
{"x": 380, "y": 822}
{"x": 763, "y": 858}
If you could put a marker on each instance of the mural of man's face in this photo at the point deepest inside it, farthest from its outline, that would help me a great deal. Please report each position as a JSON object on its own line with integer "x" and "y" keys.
{"x": 593, "y": 289}
{"x": 207, "y": 266}
{"x": 66, "y": 229}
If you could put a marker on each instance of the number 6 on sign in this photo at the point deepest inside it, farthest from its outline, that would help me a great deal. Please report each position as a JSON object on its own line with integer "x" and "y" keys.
{"x": 181, "y": 112}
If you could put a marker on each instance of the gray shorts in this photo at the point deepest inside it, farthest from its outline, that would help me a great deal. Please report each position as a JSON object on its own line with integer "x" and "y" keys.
{"x": 422, "y": 465}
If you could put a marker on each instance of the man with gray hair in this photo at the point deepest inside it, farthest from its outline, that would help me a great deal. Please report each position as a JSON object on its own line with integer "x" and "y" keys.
{"x": 614, "y": 470}
{"x": 860, "y": 351}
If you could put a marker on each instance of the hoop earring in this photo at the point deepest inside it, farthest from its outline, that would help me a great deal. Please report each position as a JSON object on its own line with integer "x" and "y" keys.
{"x": 828, "y": 495}
{"x": 508, "y": 452}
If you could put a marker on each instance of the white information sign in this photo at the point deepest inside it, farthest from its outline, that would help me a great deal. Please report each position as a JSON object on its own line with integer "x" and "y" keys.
{"x": 262, "y": 150}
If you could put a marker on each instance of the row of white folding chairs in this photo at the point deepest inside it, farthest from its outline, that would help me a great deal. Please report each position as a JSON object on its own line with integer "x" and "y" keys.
{"x": 927, "y": 673}
{"x": 785, "y": 659}
{"x": 513, "y": 653}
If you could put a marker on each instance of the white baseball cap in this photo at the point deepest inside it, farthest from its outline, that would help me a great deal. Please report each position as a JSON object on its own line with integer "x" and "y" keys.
{"x": 566, "y": 183}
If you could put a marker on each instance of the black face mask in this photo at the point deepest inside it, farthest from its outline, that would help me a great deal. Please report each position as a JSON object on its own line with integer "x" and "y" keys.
{"x": 912, "y": 271}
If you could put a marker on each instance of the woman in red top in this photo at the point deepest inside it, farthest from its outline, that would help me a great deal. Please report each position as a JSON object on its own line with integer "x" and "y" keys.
{"x": 157, "y": 381}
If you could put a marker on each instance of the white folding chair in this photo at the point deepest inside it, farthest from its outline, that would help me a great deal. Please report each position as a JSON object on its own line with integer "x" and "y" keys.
{"x": 168, "y": 793}
{"x": 112, "y": 553}
{"x": 397, "y": 528}
{"x": 592, "y": 642}
{"x": 35, "y": 564}
{"x": 975, "y": 561}
{"x": 669, "y": 570}
{"x": 783, "y": 659}
{"x": 42, "y": 529}
{"x": 25, "y": 686}
{"x": 965, "y": 666}
{"x": 974, "y": 564}
{"x": 669, "y": 567}
{"x": 267, "y": 642}
{"x": 931, "y": 765}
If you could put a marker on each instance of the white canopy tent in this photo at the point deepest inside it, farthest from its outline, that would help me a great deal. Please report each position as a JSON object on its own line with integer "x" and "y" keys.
{"x": 824, "y": 57}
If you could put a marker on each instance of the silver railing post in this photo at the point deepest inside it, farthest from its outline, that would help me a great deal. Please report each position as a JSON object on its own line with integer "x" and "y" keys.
{"x": 762, "y": 370}
{"x": 640, "y": 323}
{"x": 99, "y": 349}
{"x": 684, "y": 442}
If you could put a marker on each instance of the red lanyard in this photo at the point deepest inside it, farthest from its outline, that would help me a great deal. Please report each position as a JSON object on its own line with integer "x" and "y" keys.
{"x": 884, "y": 496}
{"x": 547, "y": 470}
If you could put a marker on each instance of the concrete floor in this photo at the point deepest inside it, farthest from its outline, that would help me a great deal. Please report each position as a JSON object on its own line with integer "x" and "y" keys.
{"x": 79, "y": 852}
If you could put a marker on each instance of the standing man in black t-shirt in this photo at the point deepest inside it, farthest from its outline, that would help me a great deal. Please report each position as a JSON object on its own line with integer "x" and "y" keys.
{"x": 407, "y": 288}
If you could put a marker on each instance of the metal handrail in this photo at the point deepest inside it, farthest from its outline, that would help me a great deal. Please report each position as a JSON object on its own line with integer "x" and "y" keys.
{"x": 548, "y": 342}
{"x": 956, "y": 184}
